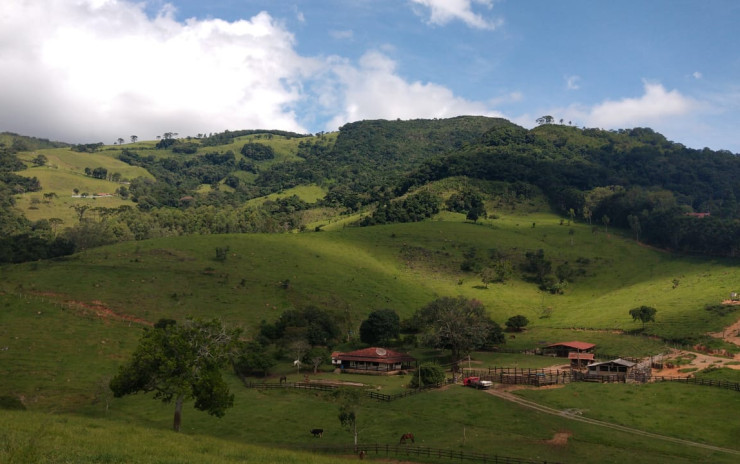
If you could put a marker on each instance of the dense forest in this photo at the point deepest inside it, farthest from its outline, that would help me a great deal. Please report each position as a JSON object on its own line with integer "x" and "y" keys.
{"x": 632, "y": 179}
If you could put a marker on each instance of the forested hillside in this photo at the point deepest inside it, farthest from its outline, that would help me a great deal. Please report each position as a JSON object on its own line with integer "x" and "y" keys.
{"x": 370, "y": 172}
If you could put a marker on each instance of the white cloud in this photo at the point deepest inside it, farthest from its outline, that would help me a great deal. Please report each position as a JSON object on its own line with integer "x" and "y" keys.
{"x": 373, "y": 90}
{"x": 443, "y": 11}
{"x": 96, "y": 70}
{"x": 697, "y": 75}
{"x": 653, "y": 106}
{"x": 571, "y": 82}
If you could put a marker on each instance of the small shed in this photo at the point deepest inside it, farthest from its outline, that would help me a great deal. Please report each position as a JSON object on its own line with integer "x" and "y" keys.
{"x": 563, "y": 349}
{"x": 579, "y": 360}
{"x": 616, "y": 369}
{"x": 373, "y": 360}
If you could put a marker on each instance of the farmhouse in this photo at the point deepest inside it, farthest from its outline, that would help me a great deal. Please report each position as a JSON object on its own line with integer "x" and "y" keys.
{"x": 616, "y": 369}
{"x": 373, "y": 361}
{"x": 563, "y": 349}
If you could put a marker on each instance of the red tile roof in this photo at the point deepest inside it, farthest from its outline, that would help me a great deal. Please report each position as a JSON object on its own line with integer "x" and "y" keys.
{"x": 375, "y": 354}
{"x": 576, "y": 345}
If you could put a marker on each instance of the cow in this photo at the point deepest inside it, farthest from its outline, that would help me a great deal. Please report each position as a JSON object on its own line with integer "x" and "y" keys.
{"x": 317, "y": 433}
{"x": 283, "y": 380}
{"x": 406, "y": 436}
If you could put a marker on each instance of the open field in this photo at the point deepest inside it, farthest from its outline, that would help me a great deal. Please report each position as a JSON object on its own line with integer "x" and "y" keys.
{"x": 402, "y": 267}
{"x": 67, "y": 324}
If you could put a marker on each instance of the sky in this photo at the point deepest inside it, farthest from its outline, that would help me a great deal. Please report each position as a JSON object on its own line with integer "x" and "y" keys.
{"x": 86, "y": 71}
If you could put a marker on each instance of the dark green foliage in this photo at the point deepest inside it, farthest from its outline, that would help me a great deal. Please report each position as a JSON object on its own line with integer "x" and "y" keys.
{"x": 643, "y": 314}
{"x": 427, "y": 374}
{"x": 180, "y": 362}
{"x": 24, "y": 247}
{"x": 381, "y": 326}
{"x": 721, "y": 309}
{"x": 187, "y": 148}
{"x": 258, "y": 151}
{"x": 87, "y": 147}
{"x": 11, "y": 403}
{"x": 516, "y": 323}
{"x": 252, "y": 358}
{"x": 458, "y": 324}
{"x": 537, "y": 266}
{"x": 414, "y": 208}
{"x": 227, "y": 137}
{"x": 314, "y": 325}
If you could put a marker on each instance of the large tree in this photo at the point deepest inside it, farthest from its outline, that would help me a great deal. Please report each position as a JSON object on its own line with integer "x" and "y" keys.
{"x": 380, "y": 326}
{"x": 181, "y": 362}
{"x": 459, "y": 324}
{"x": 643, "y": 314}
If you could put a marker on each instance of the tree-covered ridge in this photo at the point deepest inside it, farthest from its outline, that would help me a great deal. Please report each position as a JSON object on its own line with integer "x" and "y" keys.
{"x": 633, "y": 179}
{"x": 227, "y": 137}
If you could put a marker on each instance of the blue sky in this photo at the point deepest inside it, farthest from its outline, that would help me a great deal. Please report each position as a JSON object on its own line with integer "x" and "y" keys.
{"x": 96, "y": 70}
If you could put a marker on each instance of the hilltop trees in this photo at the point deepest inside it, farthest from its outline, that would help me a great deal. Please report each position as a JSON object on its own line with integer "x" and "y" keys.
{"x": 181, "y": 362}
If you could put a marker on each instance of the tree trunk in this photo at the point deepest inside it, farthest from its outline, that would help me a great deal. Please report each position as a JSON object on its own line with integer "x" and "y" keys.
{"x": 178, "y": 413}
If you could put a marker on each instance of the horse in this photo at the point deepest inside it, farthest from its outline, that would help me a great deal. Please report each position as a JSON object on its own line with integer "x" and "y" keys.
{"x": 406, "y": 436}
{"x": 317, "y": 433}
{"x": 283, "y": 379}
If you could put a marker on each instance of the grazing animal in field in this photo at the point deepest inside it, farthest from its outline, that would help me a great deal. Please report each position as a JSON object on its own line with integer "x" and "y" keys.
{"x": 406, "y": 436}
{"x": 283, "y": 379}
{"x": 317, "y": 433}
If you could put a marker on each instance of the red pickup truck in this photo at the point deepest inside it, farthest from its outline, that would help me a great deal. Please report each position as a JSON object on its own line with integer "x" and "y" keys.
{"x": 476, "y": 382}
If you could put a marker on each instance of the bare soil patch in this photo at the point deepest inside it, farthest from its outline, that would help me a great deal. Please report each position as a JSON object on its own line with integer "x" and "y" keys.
{"x": 560, "y": 438}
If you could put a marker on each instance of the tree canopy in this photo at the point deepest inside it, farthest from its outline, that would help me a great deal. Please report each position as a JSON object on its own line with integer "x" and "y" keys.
{"x": 380, "y": 326}
{"x": 181, "y": 362}
{"x": 458, "y": 324}
{"x": 643, "y": 314}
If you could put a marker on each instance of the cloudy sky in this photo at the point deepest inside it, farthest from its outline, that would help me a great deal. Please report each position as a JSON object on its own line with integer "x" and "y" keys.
{"x": 97, "y": 70}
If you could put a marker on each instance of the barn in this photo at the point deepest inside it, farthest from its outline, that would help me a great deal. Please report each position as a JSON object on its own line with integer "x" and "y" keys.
{"x": 373, "y": 360}
{"x": 563, "y": 349}
{"x": 616, "y": 369}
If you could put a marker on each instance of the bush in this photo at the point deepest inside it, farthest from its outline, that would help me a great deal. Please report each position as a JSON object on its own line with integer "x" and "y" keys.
{"x": 430, "y": 373}
{"x": 11, "y": 403}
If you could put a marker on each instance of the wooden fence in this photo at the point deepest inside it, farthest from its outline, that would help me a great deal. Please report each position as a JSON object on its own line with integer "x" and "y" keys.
{"x": 409, "y": 451}
{"x": 523, "y": 376}
{"x": 699, "y": 381}
{"x": 326, "y": 387}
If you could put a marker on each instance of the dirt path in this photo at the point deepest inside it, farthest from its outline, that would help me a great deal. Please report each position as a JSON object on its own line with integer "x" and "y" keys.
{"x": 574, "y": 416}
{"x": 731, "y": 334}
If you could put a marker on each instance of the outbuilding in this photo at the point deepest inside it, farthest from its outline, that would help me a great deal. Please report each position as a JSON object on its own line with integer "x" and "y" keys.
{"x": 563, "y": 349}
{"x": 616, "y": 369}
{"x": 579, "y": 360}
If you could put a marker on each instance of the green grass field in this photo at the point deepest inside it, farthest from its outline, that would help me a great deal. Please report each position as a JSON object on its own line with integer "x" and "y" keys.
{"x": 67, "y": 324}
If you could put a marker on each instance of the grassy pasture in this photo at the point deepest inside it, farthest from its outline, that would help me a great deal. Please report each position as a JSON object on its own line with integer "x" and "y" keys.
{"x": 59, "y": 361}
{"x": 701, "y": 414}
{"x": 400, "y": 266}
{"x": 62, "y": 160}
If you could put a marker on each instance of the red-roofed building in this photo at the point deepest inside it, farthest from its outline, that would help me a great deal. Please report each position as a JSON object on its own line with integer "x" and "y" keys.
{"x": 373, "y": 361}
{"x": 563, "y": 349}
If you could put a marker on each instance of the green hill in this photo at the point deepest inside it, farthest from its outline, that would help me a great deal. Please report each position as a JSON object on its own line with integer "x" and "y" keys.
{"x": 244, "y": 226}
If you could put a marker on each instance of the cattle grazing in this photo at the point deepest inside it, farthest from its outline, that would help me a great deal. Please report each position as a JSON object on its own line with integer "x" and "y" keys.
{"x": 283, "y": 379}
{"x": 406, "y": 436}
{"x": 317, "y": 433}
